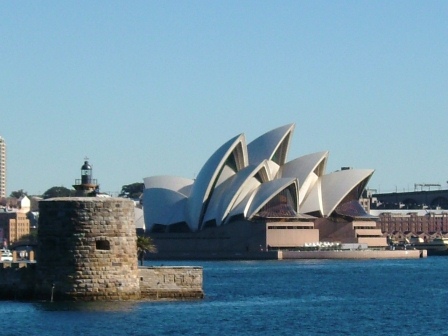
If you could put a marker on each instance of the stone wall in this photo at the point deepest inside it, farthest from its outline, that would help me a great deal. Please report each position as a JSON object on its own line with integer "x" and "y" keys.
{"x": 17, "y": 281}
{"x": 87, "y": 249}
{"x": 171, "y": 282}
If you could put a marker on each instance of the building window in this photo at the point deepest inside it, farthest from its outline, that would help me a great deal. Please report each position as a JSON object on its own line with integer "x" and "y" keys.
{"x": 102, "y": 245}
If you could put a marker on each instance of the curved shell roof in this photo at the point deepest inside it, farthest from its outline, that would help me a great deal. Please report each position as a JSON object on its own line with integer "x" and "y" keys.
{"x": 179, "y": 184}
{"x": 232, "y": 154}
{"x": 268, "y": 190}
{"x": 307, "y": 169}
{"x": 239, "y": 180}
{"x": 272, "y": 145}
{"x": 336, "y": 186}
{"x": 233, "y": 189}
{"x": 333, "y": 188}
{"x": 169, "y": 208}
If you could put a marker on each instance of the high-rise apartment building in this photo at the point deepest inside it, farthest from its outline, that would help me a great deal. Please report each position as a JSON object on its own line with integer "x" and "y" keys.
{"x": 2, "y": 167}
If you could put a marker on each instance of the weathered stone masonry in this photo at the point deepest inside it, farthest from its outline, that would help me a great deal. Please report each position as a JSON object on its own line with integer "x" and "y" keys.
{"x": 162, "y": 282}
{"x": 87, "y": 252}
{"x": 87, "y": 249}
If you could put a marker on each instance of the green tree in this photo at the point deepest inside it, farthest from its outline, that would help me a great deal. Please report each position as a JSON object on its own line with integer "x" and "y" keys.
{"x": 144, "y": 245}
{"x": 58, "y": 192}
{"x": 133, "y": 191}
{"x": 30, "y": 238}
{"x": 19, "y": 193}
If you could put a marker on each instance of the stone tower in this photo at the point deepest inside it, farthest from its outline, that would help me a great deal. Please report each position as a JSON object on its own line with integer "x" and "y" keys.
{"x": 87, "y": 249}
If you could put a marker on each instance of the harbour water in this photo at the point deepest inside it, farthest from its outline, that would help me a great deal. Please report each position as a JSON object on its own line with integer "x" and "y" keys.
{"x": 302, "y": 297}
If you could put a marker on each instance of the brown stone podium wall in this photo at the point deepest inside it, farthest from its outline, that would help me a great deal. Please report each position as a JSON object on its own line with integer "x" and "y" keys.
{"x": 87, "y": 249}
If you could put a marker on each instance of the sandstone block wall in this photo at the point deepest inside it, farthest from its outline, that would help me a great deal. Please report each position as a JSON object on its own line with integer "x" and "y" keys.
{"x": 87, "y": 249}
{"x": 171, "y": 282}
{"x": 17, "y": 282}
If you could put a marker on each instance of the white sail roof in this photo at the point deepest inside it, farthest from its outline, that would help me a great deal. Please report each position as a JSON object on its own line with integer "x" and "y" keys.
{"x": 307, "y": 169}
{"x": 163, "y": 206}
{"x": 272, "y": 145}
{"x": 233, "y": 189}
{"x": 231, "y": 155}
{"x": 238, "y": 180}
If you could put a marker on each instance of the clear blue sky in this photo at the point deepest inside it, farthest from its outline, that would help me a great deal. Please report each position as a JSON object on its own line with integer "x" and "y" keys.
{"x": 147, "y": 88}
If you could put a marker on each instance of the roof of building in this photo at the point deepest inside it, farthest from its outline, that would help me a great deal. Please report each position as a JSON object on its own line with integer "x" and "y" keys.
{"x": 251, "y": 181}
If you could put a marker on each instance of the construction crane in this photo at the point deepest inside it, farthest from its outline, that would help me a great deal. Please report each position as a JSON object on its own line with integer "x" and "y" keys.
{"x": 422, "y": 185}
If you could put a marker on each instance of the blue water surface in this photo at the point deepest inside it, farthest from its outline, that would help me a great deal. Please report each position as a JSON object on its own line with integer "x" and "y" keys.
{"x": 303, "y": 297}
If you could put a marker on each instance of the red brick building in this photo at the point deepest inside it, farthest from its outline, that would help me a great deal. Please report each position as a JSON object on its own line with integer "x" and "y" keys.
{"x": 421, "y": 223}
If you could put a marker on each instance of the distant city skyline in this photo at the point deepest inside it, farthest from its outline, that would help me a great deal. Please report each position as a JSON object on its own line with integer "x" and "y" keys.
{"x": 140, "y": 86}
{"x": 2, "y": 167}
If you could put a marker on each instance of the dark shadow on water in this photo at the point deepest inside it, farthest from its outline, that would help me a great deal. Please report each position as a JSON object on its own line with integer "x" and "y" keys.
{"x": 109, "y": 306}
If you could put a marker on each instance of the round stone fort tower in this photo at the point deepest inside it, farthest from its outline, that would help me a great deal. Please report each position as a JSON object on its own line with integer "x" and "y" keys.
{"x": 87, "y": 250}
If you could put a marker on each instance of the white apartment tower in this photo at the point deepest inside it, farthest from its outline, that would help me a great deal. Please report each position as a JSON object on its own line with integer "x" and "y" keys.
{"x": 2, "y": 167}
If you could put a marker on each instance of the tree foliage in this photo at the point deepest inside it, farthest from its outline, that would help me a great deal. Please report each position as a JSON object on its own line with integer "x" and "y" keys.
{"x": 58, "y": 192}
{"x": 30, "y": 238}
{"x": 18, "y": 194}
{"x": 133, "y": 191}
{"x": 144, "y": 245}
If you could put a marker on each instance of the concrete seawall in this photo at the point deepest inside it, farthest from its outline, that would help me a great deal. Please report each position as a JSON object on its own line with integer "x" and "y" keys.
{"x": 280, "y": 255}
{"x": 366, "y": 254}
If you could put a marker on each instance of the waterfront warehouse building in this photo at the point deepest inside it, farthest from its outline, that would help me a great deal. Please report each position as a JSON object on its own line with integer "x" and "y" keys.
{"x": 404, "y": 216}
{"x": 247, "y": 197}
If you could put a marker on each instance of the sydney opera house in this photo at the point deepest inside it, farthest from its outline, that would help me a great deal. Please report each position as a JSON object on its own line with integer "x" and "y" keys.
{"x": 248, "y": 197}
